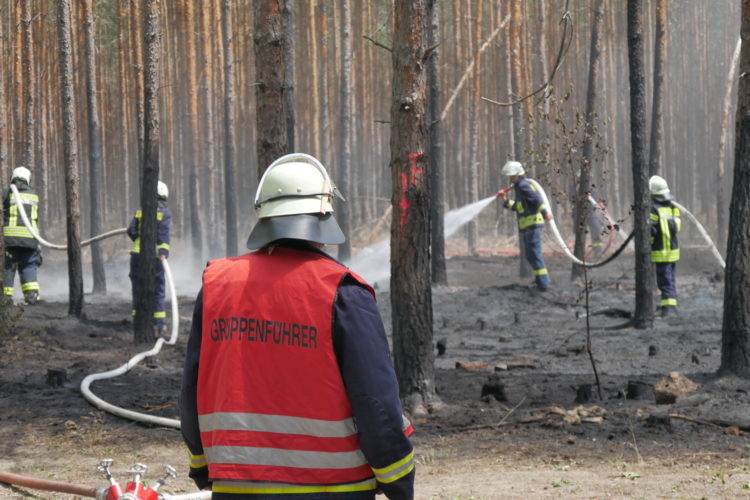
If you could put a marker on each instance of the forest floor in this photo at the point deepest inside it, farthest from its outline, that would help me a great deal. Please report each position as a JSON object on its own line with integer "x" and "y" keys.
{"x": 529, "y": 437}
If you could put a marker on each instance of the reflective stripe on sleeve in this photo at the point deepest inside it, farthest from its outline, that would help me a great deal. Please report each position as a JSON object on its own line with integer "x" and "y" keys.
{"x": 197, "y": 461}
{"x": 261, "y": 487}
{"x": 396, "y": 470}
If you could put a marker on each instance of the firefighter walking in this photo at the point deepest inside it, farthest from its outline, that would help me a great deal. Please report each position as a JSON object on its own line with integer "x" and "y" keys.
{"x": 288, "y": 389}
{"x": 531, "y": 213}
{"x": 22, "y": 253}
{"x": 665, "y": 223}
{"x": 163, "y": 225}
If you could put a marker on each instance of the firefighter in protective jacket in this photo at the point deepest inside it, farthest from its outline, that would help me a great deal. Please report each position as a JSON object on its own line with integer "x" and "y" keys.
{"x": 531, "y": 213}
{"x": 21, "y": 248}
{"x": 163, "y": 225}
{"x": 288, "y": 389}
{"x": 665, "y": 223}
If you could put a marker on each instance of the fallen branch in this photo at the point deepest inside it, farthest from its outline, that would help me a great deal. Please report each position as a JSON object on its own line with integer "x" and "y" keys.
{"x": 741, "y": 430}
{"x": 502, "y": 422}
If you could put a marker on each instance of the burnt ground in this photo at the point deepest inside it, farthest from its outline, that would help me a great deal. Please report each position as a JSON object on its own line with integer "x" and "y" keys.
{"x": 539, "y": 431}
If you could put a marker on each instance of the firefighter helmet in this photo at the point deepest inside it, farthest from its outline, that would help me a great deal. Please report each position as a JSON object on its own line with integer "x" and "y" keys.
{"x": 22, "y": 173}
{"x": 162, "y": 191}
{"x": 512, "y": 167}
{"x": 295, "y": 200}
{"x": 659, "y": 188}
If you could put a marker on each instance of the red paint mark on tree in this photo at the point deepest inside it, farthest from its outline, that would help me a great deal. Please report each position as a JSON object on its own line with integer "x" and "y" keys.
{"x": 404, "y": 204}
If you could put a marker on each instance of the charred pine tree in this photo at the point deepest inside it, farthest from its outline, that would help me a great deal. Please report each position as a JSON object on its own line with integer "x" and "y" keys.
{"x": 95, "y": 150}
{"x": 70, "y": 159}
{"x": 582, "y": 204}
{"x": 721, "y": 206}
{"x": 411, "y": 292}
{"x": 434, "y": 156}
{"x": 270, "y": 68}
{"x": 735, "y": 328}
{"x": 660, "y": 58}
{"x": 644, "y": 278}
{"x": 344, "y": 216}
{"x": 144, "y": 282}
{"x": 230, "y": 119}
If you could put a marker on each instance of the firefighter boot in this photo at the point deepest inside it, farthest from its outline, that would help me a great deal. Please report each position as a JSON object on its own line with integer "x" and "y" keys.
{"x": 31, "y": 297}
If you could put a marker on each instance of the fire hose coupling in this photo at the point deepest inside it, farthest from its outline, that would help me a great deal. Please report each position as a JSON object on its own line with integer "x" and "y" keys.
{"x": 135, "y": 489}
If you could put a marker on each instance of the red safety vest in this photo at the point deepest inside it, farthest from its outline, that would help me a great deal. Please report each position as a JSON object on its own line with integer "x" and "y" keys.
{"x": 271, "y": 402}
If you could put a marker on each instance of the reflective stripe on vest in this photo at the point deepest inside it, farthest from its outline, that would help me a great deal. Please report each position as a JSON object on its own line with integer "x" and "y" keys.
{"x": 136, "y": 248}
{"x": 524, "y": 221}
{"x": 261, "y": 487}
{"x": 16, "y": 227}
{"x": 666, "y": 253}
{"x": 260, "y": 420}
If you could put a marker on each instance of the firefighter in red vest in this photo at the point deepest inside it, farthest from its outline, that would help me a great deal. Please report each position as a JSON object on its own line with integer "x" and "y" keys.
{"x": 289, "y": 390}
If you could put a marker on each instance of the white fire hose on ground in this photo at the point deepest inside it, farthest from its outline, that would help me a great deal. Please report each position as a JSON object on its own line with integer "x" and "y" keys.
{"x": 86, "y": 383}
{"x": 561, "y": 242}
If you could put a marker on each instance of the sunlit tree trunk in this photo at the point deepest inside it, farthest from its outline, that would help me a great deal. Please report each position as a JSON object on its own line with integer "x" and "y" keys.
{"x": 17, "y": 106}
{"x": 287, "y": 22}
{"x": 434, "y": 156}
{"x": 29, "y": 88}
{"x": 95, "y": 151}
{"x": 411, "y": 293}
{"x": 721, "y": 209}
{"x": 4, "y": 174}
{"x": 473, "y": 184}
{"x": 123, "y": 11}
{"x": 344, "y": 211}
{"x": 644, "y": 279}
{"x": 196, "y": 224}
{"x": 4, "y": 169}
{"x": 735, "y": 328}
{"x": 230, "y": 113}
{"x": 70, "y": 159}
{"x": 270, "y": 69}
{"x": 207, "y": 170}
{"x": 584, "y": 183}
{"x": 660, "y": 59}
{"x": 325, "y": 125}
{"x": 144, "y": 283}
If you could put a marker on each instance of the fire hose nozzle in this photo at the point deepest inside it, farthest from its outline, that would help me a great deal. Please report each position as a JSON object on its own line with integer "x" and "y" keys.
{"x": 503, "y": 191}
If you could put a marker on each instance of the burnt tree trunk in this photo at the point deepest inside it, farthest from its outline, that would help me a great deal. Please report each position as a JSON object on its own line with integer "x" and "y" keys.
{"x": 411, "y": 293}
{"x": 581, "y": 206}
{"x": 230, "y": 117}
{"x": 434, "y": 155}
{"x": 70, "y": 159}
{"x": 644, "y": 279}
{"x": 735, "y": 328}
{"x": 95, "y": 151}
{"x": 270, "y": 69}
{"x": 660, "y": 59}
{"x": 144, "y": 283}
